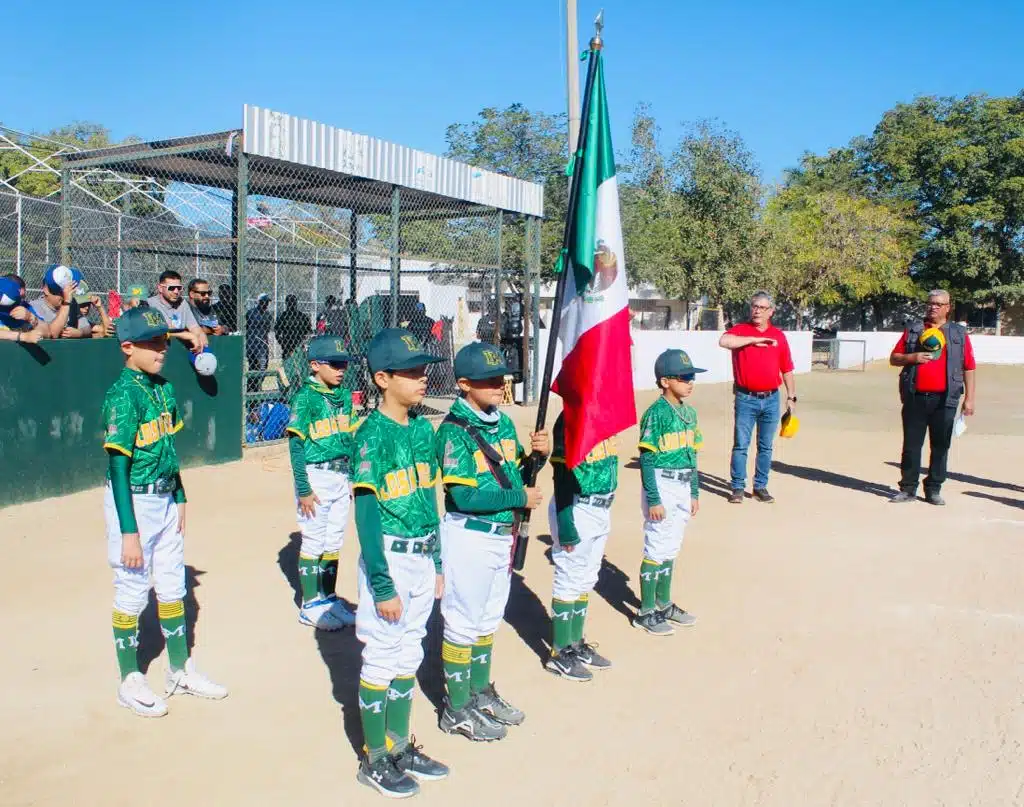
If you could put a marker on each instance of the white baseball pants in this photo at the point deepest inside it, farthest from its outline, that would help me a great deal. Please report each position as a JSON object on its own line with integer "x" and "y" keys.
{"x": 477, "y": 580}
{"x": 163, "y": 552}
{"x": 576, "y": 572}
{"x": 395, "y": 649}
{"x": 325, "y": 531}
{"x": 663, "y": 539}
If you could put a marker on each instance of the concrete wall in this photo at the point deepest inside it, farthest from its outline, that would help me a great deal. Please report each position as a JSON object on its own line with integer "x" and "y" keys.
{"x": 987, "y": 349}
{"x": 703, "y": 349}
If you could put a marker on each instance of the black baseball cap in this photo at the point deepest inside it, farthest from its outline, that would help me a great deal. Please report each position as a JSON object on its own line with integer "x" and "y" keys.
{"x": 478, "y": 361}
{"x": 397, "y": 349}
{"x": 140, "y": 325}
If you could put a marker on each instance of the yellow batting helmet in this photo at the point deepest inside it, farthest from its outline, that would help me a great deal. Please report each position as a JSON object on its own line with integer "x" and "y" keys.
{"x": 789, "y": 425}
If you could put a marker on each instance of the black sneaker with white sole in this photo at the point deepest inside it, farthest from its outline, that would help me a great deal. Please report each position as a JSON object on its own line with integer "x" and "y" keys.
{"x": 472, "y": 723}
{"x": 653, "y": 623}
{"x": 588, "y": 655}
{"x": 385, "y": 777}
{"x": 673, "y": 613}
{"x": 567, "y": 664}
{"x": 413, "y": 761}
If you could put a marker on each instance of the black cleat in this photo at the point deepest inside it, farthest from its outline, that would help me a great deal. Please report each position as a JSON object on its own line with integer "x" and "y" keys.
{"x": 413, "y": 761}
{"x": 385, "y": 777}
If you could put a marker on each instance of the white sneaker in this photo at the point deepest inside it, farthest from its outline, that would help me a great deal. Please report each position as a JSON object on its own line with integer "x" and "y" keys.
{"x": 190, "y": 681}
{"x": 135, "y": 694}
{"x": 321, "y": 615}
{"x": 341, "y": 611}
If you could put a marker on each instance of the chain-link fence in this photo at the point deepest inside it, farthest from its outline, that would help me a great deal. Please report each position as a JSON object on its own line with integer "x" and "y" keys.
{"x": 278, "y": 251}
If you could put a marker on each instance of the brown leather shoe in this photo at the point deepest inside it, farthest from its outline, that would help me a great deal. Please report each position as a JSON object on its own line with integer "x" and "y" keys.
{"x": 736, "y": 497}
{"x": 762, "y": 495}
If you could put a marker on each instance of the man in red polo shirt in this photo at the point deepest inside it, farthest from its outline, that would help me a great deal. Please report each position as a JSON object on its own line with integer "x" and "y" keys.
{"x": 930, "y": 388}
{"x": 761, "y": 362}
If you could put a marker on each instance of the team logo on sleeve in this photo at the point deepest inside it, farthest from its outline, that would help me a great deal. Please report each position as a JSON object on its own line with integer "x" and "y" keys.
{"x": 450, "y": 460}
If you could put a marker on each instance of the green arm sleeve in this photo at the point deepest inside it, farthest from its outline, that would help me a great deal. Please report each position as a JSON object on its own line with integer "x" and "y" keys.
{"x": 468, "y": 499}
{"x": 298, "y": 458}
{"x": 120, "y": 467}
{"x": 179, "y": 492}
{"x": 647, "y": 477}
{"x": 371, "y": 544}
{"x": 695, "y": 481}
{"x": 565, "y": 489}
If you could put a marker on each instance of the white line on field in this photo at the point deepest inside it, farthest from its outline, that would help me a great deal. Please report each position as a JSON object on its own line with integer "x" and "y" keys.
{"x": 1015, "y": 521}
{"x": 947, "y": 611}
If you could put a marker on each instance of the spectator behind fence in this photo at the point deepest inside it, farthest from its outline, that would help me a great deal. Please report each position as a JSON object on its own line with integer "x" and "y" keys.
{"x": 58, "y": 307}
{"x": 201, "y": 299}
{"x": 258, "y": 322}
{"x": 169, "y": 300}
{"x": 292, "y": 326}
{"x": 91, "y": 308}
{"x": 333, "y": 319}
{"x": 17, "y": 322}
{"x": 225, "y": 307}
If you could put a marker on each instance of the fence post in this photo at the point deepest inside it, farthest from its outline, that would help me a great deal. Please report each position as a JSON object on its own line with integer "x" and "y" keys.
{"x": 199, "y": 271}
{"x": 238, "y": 265}
{"x": 535, "y": 314}
{"x": 117, "y": 261}
{"x": 396, "y": 261}
{"x": 17, "y": 246}
{"x": 353, "y": 241}
{"x": 275, "y": 281}
{"x": 65, "y": 216}
{"x": 316, "y": 286}
{"x": 497, "y": 286}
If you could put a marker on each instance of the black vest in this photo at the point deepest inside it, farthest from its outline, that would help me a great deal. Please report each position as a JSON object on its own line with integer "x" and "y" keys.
{"x": 956, "y": 337}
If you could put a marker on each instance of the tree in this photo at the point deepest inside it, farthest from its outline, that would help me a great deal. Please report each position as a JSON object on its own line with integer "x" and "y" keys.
{"x": 828, "y": 247}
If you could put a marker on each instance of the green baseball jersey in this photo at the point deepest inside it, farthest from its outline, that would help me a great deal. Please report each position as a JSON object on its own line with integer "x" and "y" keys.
{"x": 140, "y": 419}
{"x": 463, "y": 462}
{"x": 322, "y": 418}
{"x": 398, "y": 464}
{"x": 671, "y": 433}
{"x": 598, "y": 474}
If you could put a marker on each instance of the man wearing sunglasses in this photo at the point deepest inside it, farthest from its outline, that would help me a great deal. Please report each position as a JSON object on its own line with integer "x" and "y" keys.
{"x": 931, "y": 383}
{"x": 169, "y": 300}
{"x": 200, "y": 298}
{"x": 761, "y": 363}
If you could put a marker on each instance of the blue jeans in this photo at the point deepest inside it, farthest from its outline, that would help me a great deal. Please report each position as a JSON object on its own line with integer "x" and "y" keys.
{"x": 751, "y": 411}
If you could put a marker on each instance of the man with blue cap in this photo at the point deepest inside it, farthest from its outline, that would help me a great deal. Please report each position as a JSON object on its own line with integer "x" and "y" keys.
{"x": 17, "y": 322}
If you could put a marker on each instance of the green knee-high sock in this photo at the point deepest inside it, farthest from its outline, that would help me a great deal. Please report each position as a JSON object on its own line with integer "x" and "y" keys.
{"x": 648, "y": 584}
{"x": 561, "y": 624}
{"x": 309, "y": 577}
{"x": 664, "y": 593}
{"x": 373, "y": 713}
{"x": 579, "y": 617}
{"x": 483, "y": 652}
{"x": 328, "y": 573}
{"x": 399, "y": 711}
{"x": 126, "y": 642}
{"x": 455, "y": 658}
{"x": 172, "y": 625}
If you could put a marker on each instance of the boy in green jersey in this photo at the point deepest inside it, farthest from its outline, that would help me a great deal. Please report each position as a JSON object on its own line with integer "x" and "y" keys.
{"x": 395, "y": 479}
{"x": 144, "y": 506}
{"x": 320, "y": 447}
{"x": 669, "y": 441}
{"x": 481, "y": 462}
{"x": 580, "y": 519}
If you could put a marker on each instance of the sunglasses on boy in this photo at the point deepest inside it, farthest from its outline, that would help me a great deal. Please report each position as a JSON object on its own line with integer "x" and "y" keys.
{"x": 687, "y": 377}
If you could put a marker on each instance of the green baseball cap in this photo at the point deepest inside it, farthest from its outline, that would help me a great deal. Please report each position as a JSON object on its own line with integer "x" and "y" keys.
{"x": 675, "y": 362}
{"x": 327, "y": 348}
{"x": 140, "y": 325}
{"x": 82, "y": 293}
{"x": 137, "y": 293}
{"x": 478, "y": 361}
{"x": 397, "y": 349}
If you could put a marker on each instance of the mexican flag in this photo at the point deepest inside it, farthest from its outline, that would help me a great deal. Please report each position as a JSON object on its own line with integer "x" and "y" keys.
{"x": 595, "y": 376}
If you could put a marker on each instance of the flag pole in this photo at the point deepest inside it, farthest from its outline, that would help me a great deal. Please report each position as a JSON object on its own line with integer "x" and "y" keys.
{"x": 530, "y": 475}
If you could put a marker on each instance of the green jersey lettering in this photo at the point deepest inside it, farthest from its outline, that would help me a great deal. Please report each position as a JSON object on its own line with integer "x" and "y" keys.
{"x": 463, "y": 463}
{"x": 598, "y": 474}
{"x": 322, "y": 418}
{"x": 671, "y": 433}
{"x": 398, "y": 464}
{"x": 140, "y": 417}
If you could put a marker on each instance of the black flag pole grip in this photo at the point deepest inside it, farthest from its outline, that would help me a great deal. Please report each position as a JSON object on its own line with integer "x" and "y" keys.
{"x": 533, "y": 464}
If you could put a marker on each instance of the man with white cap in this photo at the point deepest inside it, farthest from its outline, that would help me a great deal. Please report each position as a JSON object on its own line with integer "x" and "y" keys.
{"x": 58, "y": 308}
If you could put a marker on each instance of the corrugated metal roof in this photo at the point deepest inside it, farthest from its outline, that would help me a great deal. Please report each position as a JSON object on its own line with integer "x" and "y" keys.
{"x": 306, "y": 142}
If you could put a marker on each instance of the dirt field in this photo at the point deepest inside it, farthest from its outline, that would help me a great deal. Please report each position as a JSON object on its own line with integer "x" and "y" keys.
{"x": 848, "y": 652}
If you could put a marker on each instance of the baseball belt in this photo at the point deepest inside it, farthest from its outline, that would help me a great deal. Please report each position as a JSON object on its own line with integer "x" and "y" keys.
{"x": 604, "y": 501}
{"x": 414, "y": 546}
{"x": 682, "y": 474}
{"x": 162, "y": 485}
{"x": 330, "y": 465}
{"x": 480, "y": 525}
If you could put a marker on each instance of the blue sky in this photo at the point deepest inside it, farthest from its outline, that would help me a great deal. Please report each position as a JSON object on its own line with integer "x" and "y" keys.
{"x": 788, "y": 76}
